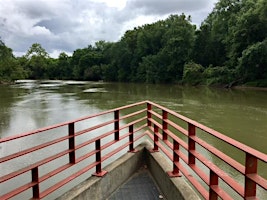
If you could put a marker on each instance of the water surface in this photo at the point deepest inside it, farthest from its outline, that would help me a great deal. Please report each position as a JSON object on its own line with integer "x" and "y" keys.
{"x": 240, "y": 114}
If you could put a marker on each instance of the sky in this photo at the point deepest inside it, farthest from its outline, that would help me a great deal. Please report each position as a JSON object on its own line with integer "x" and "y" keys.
{"x": 66, "y": 25}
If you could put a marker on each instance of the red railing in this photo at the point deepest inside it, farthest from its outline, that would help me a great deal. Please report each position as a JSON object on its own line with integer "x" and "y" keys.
{"x": 77, "y": 149}
{"x": 186, "y": 143}
{"x": 199, "y": 169}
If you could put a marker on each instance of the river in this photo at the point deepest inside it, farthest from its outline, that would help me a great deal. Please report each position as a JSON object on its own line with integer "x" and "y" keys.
{"x": 238, "y": 113}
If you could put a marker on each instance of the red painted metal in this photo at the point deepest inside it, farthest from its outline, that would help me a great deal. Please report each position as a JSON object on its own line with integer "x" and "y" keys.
{"x": 99, "y": 172}
{"x": 191, "y": 144}
{"x": 35, "y": 179}
{"x": 247, "y": 191}
{"x": 251, "y": 168}
{"x": 72, "y": 143}
{"x": 214, "y": 181}
{"x": 18, "y": 190}
{"x": 149, "y": 108}
{"x": 164, "y": 125}
{"x": 175, "y": 171}
{"x": 30, "y": 167}
{"x": 158, "y": 122}
{"x": 72, "y": 148}
{"x": 131, "y": 139}
{"x": 66, "y": 180}
{"x": 156, "y": 139}
{"x": 116, "y": 124}
{"x": 27, "y": 151}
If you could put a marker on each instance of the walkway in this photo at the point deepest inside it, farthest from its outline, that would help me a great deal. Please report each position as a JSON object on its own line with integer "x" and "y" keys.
{"x": 140, "y": 186}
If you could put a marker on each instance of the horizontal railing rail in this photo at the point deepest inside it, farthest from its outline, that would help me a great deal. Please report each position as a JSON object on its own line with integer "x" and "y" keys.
{"x": 189, "y": 151}
{"x": 118, "y": 127}
{"x": 98, "y": 138}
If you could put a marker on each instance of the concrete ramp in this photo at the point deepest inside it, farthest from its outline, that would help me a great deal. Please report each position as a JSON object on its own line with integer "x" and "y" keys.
{"x": 141, "y": 185}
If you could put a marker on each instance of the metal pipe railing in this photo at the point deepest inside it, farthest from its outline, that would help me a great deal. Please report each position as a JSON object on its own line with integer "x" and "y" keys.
{"x": 164, "y": 127}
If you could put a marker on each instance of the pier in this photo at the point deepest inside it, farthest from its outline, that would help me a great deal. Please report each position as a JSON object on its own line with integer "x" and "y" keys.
{"x": 108, "y": 148}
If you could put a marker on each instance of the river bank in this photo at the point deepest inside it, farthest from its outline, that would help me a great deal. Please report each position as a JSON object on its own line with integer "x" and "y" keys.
{"x": 240, "y": 87}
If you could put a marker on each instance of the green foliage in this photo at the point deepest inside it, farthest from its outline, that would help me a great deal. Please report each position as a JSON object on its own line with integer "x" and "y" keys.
{"x": 155, "y": 53}
{"x": 87, "y": 62}
{"x": 253, "y": 62}
{"x": 63, "y": 69}
{"x": 37, "y": 50}
{"x": 10, "y": 69}
{"x": 232, "y": 38}
{"x": 37, "y": 62}
{"x": 149, "y": 70}
{"x": 250, "y": 27}
{"x": 179, "y": 41}
{"x": 110, "y": 72}
{"x": 218, "y": 75}
{"x": 229, "y": 37}
{"x": 193, "y": 73}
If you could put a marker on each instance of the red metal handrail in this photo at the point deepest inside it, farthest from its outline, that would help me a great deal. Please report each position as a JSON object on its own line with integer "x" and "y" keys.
{"x": 179, "y": 138}
{"x": 115, "y": 125}
{"x": 194, "y": 160}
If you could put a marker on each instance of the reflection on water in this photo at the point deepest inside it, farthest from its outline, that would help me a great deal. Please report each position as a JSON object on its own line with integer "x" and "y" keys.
{"x": 27, "y": 105}
{"x": 240, "y": 114}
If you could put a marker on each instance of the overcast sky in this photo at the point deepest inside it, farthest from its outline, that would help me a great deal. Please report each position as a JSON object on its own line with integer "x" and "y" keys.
{"x": 66, "y": 25}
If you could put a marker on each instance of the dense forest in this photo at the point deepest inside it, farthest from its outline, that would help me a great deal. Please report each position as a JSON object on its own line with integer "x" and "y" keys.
{"x": 229, "y": 48}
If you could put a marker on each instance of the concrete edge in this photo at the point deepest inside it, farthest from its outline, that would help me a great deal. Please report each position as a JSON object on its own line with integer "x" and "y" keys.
{"x": 118, "y": 172}
{"x": 173, "y": 188}
{"x": 123, "y": 168}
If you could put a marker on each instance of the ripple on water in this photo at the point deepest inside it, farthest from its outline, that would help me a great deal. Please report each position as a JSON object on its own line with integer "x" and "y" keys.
{"x": 94, "y": 90}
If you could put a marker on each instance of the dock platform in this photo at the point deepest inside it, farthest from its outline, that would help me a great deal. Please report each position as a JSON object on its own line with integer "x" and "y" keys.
{"x": 140, "y": 175}
{"x": 180, "y": 154}
{"x": 140, "y": 186}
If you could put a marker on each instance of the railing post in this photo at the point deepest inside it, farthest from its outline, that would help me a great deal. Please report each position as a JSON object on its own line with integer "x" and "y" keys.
{"x": 214, "y": 181}
{"x": 250, "y": 168}
{"x": 72, "y": 143}
{"x": 164, "y": 125}
{"x": 149, "y": 108}
{"x": 191, "y": 143}
{"x": 116, "y": 125}
{"x": 156, "y": 139}
{"x": 99, "y": 172}
{"x": 35, "y": 188}
{"x": 175, "y": 172}
{"x": 131, "y": 140}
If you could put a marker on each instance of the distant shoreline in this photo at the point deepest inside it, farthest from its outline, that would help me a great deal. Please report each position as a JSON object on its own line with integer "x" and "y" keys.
{"x": 240, "y": 87}
{"x": 250, "y": 87}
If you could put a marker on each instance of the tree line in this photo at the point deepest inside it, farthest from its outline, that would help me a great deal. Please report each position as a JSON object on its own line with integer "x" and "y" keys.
{"x": 230, "y": 47}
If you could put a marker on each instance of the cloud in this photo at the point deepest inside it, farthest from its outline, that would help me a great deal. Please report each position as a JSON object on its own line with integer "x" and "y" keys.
{"x": 167, "y": 6}
{"x": 65, "y": 25}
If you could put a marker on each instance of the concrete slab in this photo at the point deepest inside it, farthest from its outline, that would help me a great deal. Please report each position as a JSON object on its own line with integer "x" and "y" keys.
{"x": 140, "y": 186}
{"x": 119, "y": 171}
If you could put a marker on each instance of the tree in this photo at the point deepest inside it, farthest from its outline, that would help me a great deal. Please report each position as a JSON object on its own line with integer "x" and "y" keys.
{"x": 178, "y": 42}
{"x": 37, "y": 50}
{"x": 5, "y": 52}
{"x": 253, "y": 62}
{"x": 250, "y": 27}
{"x": 37, "y": 63}
{"x": 229, "y": 38}
{"x": 212, "y": 42}
{"x": 10, "y": 69}
{"x": 155, "y": 52}
{"x": 87, "y": 62}
{"x": 64, "y": 69}
{"x": 193, "y": 73}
